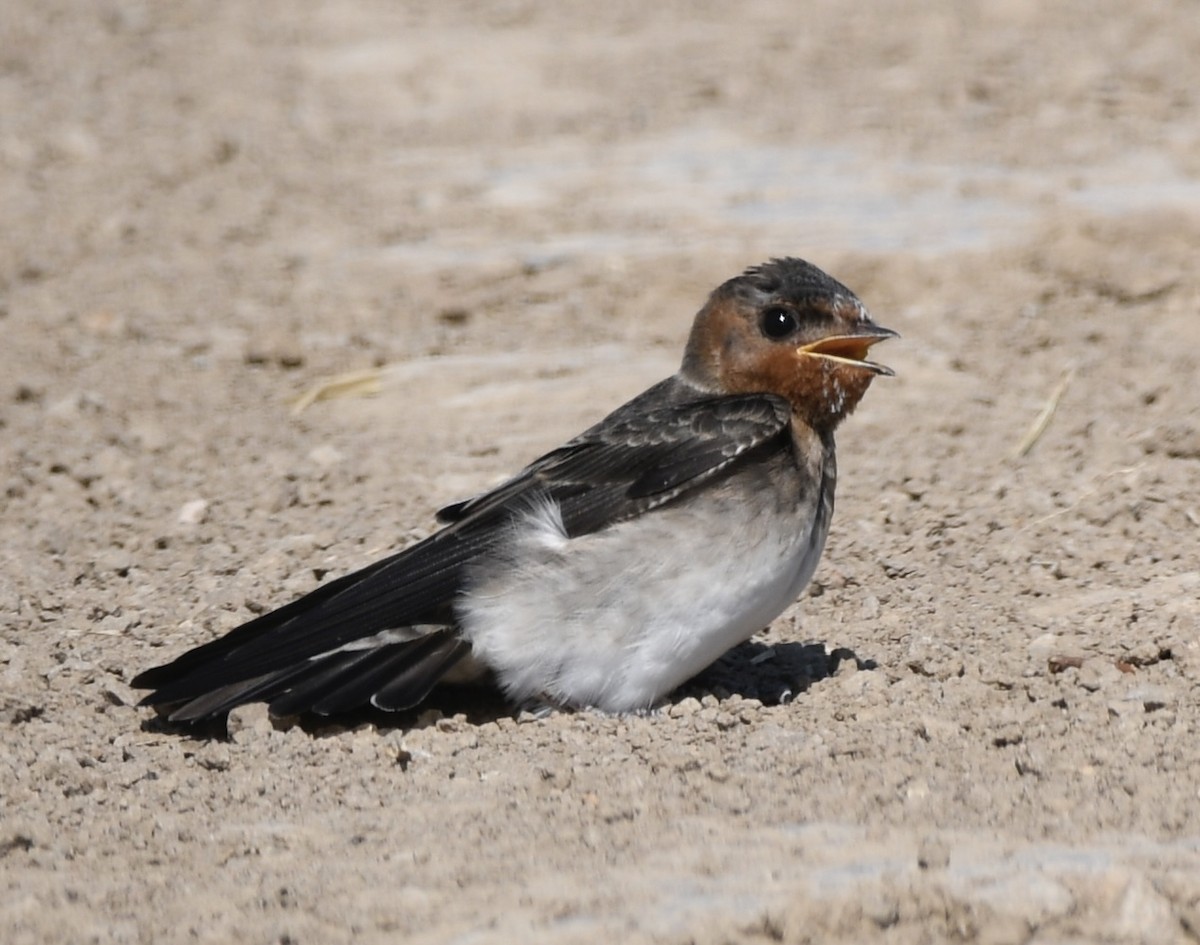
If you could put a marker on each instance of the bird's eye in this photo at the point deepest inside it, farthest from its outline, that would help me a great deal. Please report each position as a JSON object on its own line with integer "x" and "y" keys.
{"x": 777, "y": 323}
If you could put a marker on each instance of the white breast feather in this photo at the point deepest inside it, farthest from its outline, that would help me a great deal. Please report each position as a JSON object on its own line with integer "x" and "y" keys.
{"x": 618, "y": 618}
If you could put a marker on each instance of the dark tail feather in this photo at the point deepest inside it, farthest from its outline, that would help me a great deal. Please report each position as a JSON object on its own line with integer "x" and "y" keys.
{"x": 215, "y": 702}
{"x": 337, "y": 682}
{"x": 354, "y": 677}
{"x": 410, "y": 687}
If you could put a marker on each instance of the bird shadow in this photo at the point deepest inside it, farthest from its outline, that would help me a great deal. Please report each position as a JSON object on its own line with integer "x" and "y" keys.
{"x": 774, "y": 674}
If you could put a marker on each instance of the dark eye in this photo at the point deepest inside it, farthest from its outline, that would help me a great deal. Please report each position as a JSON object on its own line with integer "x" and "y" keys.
{"x": 777, "y": 323}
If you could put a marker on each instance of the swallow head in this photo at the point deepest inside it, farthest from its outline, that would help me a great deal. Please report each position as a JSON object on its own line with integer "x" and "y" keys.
{"x": 787, "y": 328}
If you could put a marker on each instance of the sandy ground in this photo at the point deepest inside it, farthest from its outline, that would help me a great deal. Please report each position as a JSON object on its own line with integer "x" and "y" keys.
{"x": 982, "y": 723}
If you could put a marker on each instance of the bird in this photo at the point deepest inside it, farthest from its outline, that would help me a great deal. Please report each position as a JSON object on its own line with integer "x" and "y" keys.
{"x": 608, "y": 571}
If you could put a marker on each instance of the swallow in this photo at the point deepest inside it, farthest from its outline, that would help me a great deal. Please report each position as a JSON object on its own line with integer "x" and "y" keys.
{"x": 610, "y": 570}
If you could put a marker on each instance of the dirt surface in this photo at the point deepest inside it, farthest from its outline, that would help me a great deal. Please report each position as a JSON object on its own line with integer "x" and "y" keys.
{"x": 982, "y": 723}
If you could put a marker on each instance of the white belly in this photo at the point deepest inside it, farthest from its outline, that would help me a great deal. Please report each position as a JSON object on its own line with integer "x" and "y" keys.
{"x": 619, "y": 618}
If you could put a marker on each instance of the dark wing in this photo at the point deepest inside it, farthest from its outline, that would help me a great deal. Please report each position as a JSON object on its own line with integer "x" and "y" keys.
{"x": 634, "y": 460}
{"x": 379, "y": 634}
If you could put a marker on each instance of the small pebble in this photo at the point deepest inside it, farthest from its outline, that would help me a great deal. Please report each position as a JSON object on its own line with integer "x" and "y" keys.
{"x": 193, "y": 512}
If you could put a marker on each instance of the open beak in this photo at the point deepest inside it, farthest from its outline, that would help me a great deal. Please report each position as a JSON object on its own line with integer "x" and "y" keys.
{"x": 852, "y": 349}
